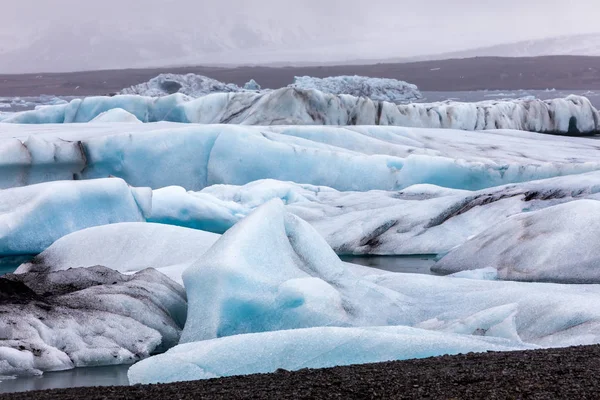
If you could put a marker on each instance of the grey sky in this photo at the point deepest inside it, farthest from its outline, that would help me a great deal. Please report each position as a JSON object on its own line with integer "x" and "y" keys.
{"x": 82, "y": 34}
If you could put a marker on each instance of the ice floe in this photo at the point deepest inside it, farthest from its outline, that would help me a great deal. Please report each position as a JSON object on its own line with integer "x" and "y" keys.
{"x": 304, "y": 348}
{"x": 86, "y": 317}
{"x": 556, "y": 244}
{"x": 33, "y": 217}
{"x": 348, "y": 159}
{"x": 573, "y": 115}
{"x": 273, "y": 293}
{"x": 125, "y": 247}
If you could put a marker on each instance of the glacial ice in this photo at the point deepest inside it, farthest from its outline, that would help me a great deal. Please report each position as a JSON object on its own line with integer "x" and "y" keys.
{"x": 556, "y": 244}
{"x": 572, "y": 115}
{"x": 350, "y": 158}
{"x": 116, "y": 115}
{"x": 189, "y": 84}
{"x": 379, "y": 89}
{"x": 252, "y": 85}
{"x": 86, "y": 317}
{"x": 421, "y": 219}
{"x": 304, "y": 348}
{"x": 272, "y": 271}
{"x": 271, "y": 292}
{"x": 175, "y": 206}
{"x": 33, "y": 217}
{"x": 195, "y": 86}
{"x": 125, "y": 247}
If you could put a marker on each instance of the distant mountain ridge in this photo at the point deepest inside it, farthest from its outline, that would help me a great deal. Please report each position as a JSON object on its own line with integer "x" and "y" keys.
{"x": 574, "y": 45}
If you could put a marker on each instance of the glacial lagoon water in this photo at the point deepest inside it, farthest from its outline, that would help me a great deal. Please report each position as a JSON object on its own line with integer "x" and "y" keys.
{"x": 78, "y": 377}
{"x": 117, "y": 375}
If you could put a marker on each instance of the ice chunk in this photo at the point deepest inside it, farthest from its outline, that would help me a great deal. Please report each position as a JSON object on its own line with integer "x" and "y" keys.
{"x": 421, "y": 219}
{"x": 488, "y": 273}
{"x": 556, "y": 244}
{"x": 86, "y": 317}
{"x": 352, "y": 158}
{"x": 238, "y": 286}
{"x": 116, "y": 115}
{"x": 174, "y": 205}
{"x": 125, "y": 247}
{"x": 33, "y": 217}
{"x": 190, "y": 84}
{"x": 272, "y": 271}
{"x": 380, "y": 89}
{"x": 304, "y": 348}
{"x": 572, "y": 115}
{"x": 252, "y": 85}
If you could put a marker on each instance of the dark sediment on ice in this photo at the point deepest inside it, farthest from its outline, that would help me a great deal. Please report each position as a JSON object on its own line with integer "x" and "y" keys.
{"x": 540, "y": 374}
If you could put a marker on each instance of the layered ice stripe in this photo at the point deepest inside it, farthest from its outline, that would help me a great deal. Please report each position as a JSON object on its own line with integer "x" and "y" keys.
{"x": 304, "y": 348}
{"x": 421, "y": 219}
{"x": 357, "y": 158}
{"x": 291, "y": 106}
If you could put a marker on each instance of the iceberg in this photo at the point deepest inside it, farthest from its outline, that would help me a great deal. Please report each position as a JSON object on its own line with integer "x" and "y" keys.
{"x": 556, "y": 244}
{"x": 347, "y": 159}
{"x": 189, "y": 84}
{"x": 252, "y": 85}
{"x": 33, "y": 217}
{"x": 421, "y": 219}
{"x": 304, "y": 348}
{"x": 174, "y": 205}
{"x": 86, "y": 317}
{"x": 272, "y": 272}
{"x": 379, "y": 89}
{"x": 116, "y": 115}
{"x": 573, "y": 115}
{"x": 195, "y": 86}
{"x": 271, "y": 294}
{"x": 126, "y": 248}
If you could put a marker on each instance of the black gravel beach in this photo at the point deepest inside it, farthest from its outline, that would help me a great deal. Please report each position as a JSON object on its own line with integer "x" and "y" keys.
{"x": 568, "y": 373}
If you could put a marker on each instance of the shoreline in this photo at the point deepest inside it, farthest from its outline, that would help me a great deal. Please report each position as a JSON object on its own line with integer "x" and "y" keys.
{"x": 532, "y": 374}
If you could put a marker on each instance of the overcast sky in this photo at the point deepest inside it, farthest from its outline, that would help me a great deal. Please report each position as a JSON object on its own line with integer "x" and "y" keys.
{"x": 58, "y": 33}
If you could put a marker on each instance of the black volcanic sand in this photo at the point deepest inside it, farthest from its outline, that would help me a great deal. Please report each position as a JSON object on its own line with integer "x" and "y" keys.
{"x": 494, "y": 73}
{"x": 569, "y": 373}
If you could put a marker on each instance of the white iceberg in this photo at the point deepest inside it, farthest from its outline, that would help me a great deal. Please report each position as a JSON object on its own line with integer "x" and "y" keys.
{"x": 556, "y": 244}
{"x": 348, "y": 159}
{"x": 86, "y": 317}
{"x": 572, "y": 115}
{"x": 189, "y": 84}
{"x": 116, "y": 115}
{"x": 125, "y": 247}
{"x": 421, "y": 219}
{"x": 379, "y": 89}
{"x": 304, "y": 348}
{"x": 271, "y": 294}
{"x": 272, "y": 271}
{"x": 33, "y": 217}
